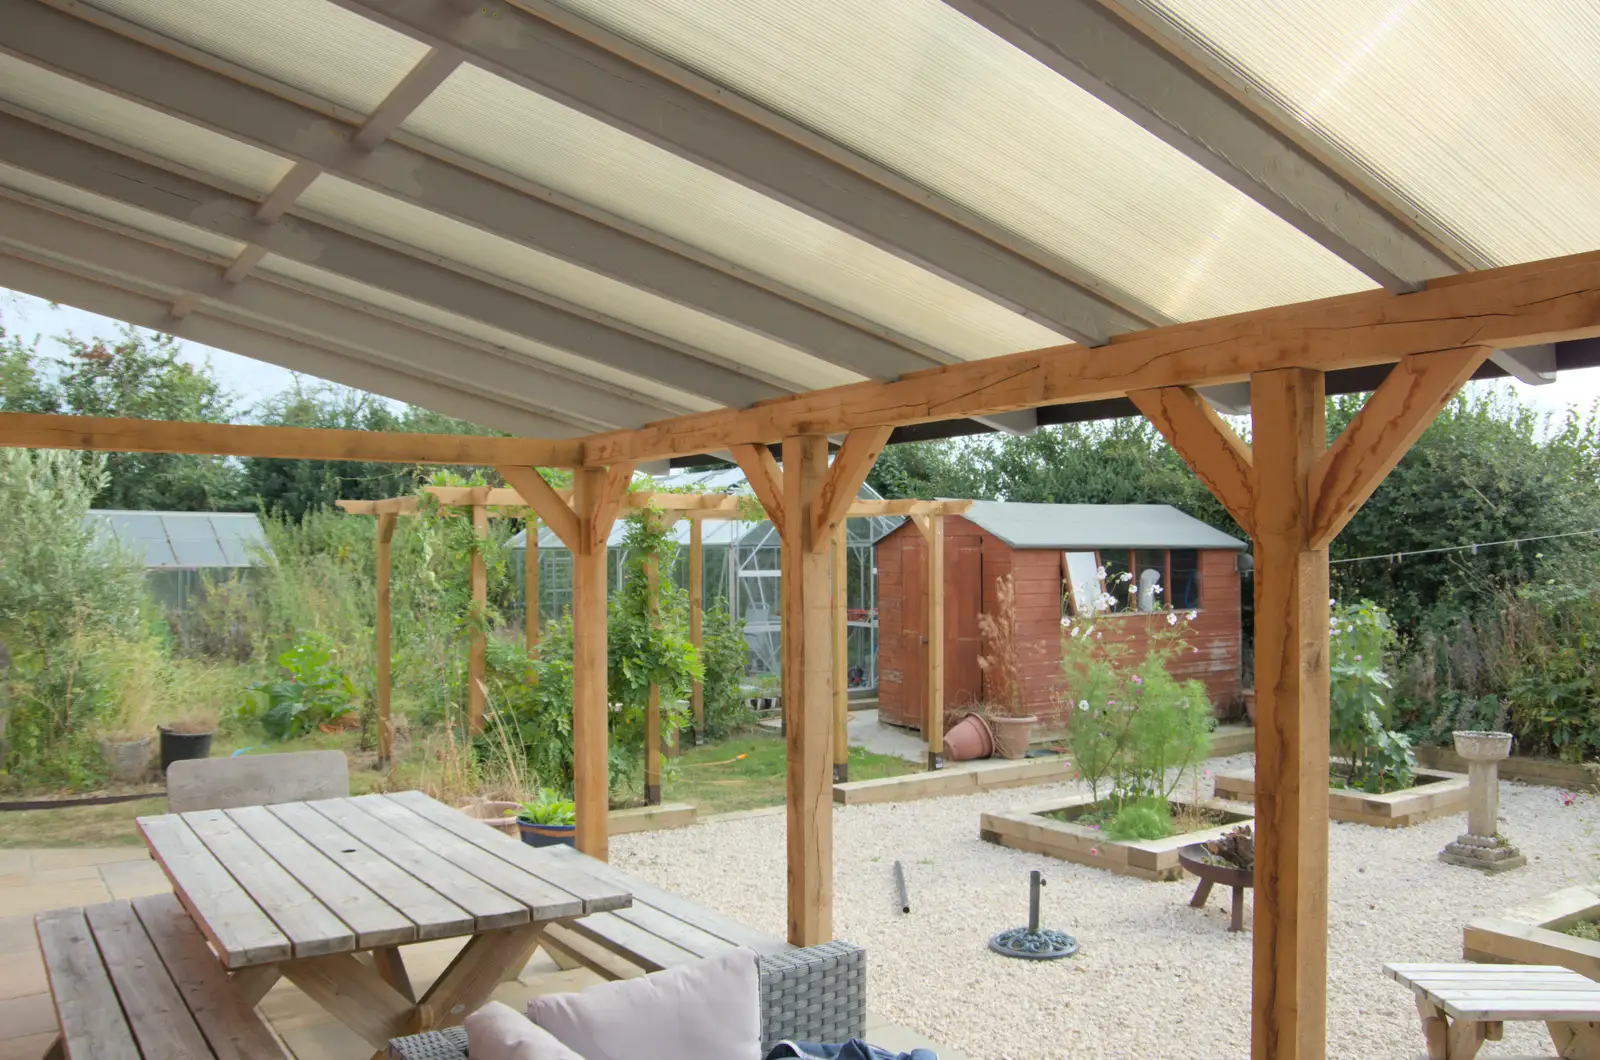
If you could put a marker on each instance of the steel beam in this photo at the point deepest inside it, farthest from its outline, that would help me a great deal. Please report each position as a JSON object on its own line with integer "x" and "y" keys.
{"x": 97, "y": 296}
{"x": 87, "y": 249}
{"x": 552, "y": 51}
{"x": 149, "y": 71}
{"x": 1174, "y": 90}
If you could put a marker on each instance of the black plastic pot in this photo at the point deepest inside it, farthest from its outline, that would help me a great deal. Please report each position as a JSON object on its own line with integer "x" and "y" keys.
{"x": 177, "y": 746}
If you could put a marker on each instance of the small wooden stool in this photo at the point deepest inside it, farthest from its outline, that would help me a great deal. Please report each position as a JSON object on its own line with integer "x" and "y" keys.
{"x": 1464, "y": 1005}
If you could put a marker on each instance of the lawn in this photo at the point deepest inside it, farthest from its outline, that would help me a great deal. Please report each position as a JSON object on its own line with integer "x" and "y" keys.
{"x": 747, "y": 772}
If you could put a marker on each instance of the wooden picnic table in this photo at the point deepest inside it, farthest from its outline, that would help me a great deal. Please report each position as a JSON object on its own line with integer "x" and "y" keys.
{"x": 298, "y": 889}
{"x": 1464, "y": 1005}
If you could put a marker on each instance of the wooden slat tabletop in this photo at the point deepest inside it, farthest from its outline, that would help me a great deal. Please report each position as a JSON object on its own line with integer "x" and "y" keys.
{"x": 299, "y": 880}
{"x": 1487, "y": 992}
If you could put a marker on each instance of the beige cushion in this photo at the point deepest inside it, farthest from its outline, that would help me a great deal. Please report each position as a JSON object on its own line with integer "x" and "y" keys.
{"x": 708, "y": 1010}
{"x": 498, "y": 1032}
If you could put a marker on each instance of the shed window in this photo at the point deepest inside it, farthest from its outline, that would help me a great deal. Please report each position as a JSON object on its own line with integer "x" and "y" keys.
{"x": 1139, "y": 580}
{"x": 1183, "y": 584}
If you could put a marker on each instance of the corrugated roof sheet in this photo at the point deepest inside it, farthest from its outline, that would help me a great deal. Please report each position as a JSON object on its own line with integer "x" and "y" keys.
{"x": 1088, "y": 526}
{"x": 185, "y": 540}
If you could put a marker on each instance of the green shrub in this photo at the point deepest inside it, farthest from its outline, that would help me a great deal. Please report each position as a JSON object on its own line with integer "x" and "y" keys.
{"x": 1140, "y": 819}
{"x": 1368, "y": 755}
{"x": 549, "y": 808}
{"x": 725, "y": 654}
{"x": 316, "y": 691}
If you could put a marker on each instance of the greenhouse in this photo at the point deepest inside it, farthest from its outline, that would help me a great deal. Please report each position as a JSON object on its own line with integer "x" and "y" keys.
{"x": 180, "y": 550}
{"x": 741, "y": 566}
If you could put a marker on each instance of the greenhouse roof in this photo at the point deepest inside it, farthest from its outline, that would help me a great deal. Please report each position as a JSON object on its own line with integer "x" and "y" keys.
{"x": 186, "y": 540}
{"x": 568, "y": 216}
{"x": 1090, "y": 526}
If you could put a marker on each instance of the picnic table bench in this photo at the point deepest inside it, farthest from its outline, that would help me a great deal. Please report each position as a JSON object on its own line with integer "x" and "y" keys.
{"x": 136, "y": 981}
{"x": 1464, "y": 1005}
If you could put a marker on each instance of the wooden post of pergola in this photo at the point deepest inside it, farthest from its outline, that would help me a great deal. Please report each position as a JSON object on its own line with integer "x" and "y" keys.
{"x": 841, "y": 656}
{"x": 477, "y": 665}
{"x": 697, "y": 572}
{"x": 652, "y": 710}
{"x": 1292, "y": 493}
{"x": 932, "y": 527}
{"x": 385, "y": 652}
{"x": 530, "y": 586}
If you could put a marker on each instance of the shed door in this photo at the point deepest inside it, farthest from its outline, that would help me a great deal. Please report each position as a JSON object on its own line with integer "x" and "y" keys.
{"x": 913, "y": 628}
{"x": 963, "y": 599}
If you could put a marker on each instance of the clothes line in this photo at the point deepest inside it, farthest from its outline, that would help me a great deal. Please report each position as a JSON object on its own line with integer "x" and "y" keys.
{"x": 1394, "y": 557}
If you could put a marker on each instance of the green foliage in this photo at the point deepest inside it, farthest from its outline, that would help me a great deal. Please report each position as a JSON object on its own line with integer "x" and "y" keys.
{"x": 316, "y": 691}
{"x": 1372, "y": 757}
{"x": 1140, "y": 819}
{"x": 549, "y": 808}
{"x": 1588, "y": 930}
{"x": 1134, "y": 727}
{"x": 534, "y": 717}
{"x": 724, "y": 654}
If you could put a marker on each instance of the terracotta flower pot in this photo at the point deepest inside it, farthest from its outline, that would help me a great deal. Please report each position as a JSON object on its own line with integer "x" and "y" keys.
{"x": 501, "y": 816}
{"x": 1011, "y": 735}
{"x": 969, "y": 738}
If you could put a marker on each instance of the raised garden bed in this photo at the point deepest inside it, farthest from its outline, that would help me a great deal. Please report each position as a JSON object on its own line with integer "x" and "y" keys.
{"x": 1535, "y": 933}
{"x": 1576, "y": 776}
{"x": 1041, "y": 829}
{"x": 1435, "y": 794}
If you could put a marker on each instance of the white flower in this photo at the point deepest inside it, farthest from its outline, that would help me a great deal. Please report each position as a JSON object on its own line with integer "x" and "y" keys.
{"x": 1098, "y": 634}
{"x": 1125, "y": 576}
{"x": 1192, "y": 615}
{"x": 1172, "y": 620}
{"x": 1101, "y": 573}
{"x": 1333, "y": 603}
{"x": 1083, "y": 704}
{"x": 1076, "y": 631}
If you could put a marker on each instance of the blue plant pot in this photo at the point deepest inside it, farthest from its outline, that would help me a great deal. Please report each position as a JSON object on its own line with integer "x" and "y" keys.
{"x": 547, "y": 835}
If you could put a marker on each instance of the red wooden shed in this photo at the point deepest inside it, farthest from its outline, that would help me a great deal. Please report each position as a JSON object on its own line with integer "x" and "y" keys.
{"x": 1055, "y": 552}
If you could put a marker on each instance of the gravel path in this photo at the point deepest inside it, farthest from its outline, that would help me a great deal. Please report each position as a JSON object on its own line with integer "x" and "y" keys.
{"x": 1154, "y": 978}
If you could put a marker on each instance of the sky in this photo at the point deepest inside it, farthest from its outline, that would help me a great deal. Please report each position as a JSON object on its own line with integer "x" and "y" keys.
{"x": 253, "y": 381}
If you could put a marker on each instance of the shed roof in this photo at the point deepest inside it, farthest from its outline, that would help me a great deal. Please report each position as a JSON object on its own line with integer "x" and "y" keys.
{"x": 574, "y": 215}
{"x": 185, "y": 540}
{"x": 1088, "y": 526}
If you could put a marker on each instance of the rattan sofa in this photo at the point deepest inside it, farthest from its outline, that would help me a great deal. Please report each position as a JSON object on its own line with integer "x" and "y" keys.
{"x": 817, "y": 994}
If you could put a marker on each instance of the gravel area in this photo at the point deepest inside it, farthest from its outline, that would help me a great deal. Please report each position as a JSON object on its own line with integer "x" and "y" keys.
{"x": 1154, "y": 978}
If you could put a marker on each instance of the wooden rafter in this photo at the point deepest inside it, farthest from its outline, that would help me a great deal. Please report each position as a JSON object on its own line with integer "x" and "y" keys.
{"x": 532, "y": 491}
{"x": 1218, "y": 456}
{"x": 849, "y": 470}
{"x": 765, "y": 478}
{"x": 1513, "y": 306}
{"x": 1393, "y": 418}
{"x": 106, "y": 434}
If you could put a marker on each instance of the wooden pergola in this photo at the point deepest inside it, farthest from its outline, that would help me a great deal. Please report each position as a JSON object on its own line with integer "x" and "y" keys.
{"x": 488, "y": 501}
{"x": 629, "y": 232}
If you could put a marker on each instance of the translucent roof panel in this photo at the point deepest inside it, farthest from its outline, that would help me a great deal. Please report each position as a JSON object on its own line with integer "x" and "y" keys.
{"x": 320, "y": 281}
{"x": 1484, "y": 114}
{"x": 443, "y": 237}
{"x": 922, "y": 90}
{"x": 121, "y": 121}
{"x": 197, "y": 540}
{"x": 180, "y": 236}
{"x": 317, "y": 47}
{"x": 489, "y": 119}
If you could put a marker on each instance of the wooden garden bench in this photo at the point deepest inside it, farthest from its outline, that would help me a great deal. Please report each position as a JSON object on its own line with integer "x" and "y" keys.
{"x": 1464, "y": 1005}
{"x": 256, "y": 780}
{"x": 660, "y": 930}
{"x": 137, "y": 981}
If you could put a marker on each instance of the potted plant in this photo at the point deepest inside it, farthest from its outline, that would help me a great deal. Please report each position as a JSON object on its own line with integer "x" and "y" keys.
{"x": 127, "y": 752}
{"x": 501, "y": 816}
{"x": 548, "y": 820}
{"x": 1011, "y": 721}
{"x": 768, "y": 693}
{"x": 188, "y": 736}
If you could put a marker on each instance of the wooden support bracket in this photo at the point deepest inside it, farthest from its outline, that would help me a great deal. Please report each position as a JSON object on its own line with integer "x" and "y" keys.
{"x": 850, "y": 468}
{"x": 1218, "y": 456}
{"x": 765, "y": 478}
{"x": 545, "y": 501}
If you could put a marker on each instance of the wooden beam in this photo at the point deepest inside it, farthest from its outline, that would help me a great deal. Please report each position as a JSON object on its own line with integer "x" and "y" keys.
{"x": 1291, "y": 605}
{"x": 697, "y": 577}
{"x": 765, "y": 478}
{"x": 841, "y": 653}
{"x": 807, "y": 693}
{"x": 534, "y": 492}
{"x": 850, "y": 468}
{"x": 866, "y": 509}
{"x": 1391, "y": 421}
{"x": 505, "y": 501}
{"x": 477, "y": 660}
{"x": 1211, "y": 448}
{"x": 385, "y": 650}
{"x": 107, "y": 434}
{"x": 932, "y": 528}
{"x": 1518, "y": 305}
{"x": 590, "y": 780}
{"x": 614, "y": 490}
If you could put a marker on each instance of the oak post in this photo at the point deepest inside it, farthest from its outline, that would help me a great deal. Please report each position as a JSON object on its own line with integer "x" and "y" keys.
{"x": 385, "y": 650}
{"x": 530, "y": 586}
{"x": 932, "y": 527}
{"x": 652, "y": 710}
{"x": 1291, "y": 606}
{"x": 807, "y": 693}
{"x": 477, "y": 691}
{"x": 697, "y": 574}
{"x": 590, "y": 783}
{"x": 841, "y": 658}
